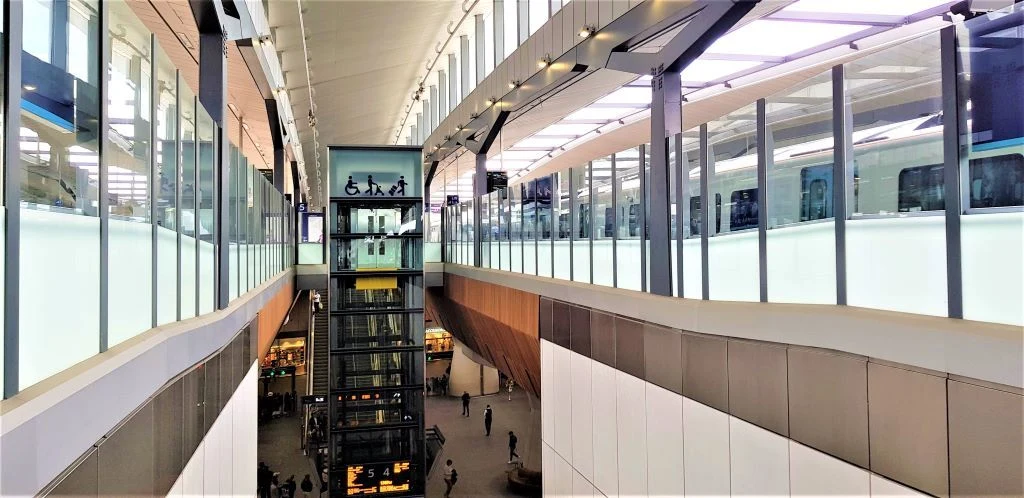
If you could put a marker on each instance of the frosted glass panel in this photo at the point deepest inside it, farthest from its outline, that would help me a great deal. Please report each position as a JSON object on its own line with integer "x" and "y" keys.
{"x": 993, "y": 268}
{"x": 692, "y": 270}
{"x": 166, "y": 276}
{"x": 897, "y": 264}
{"x": 130, "y": 280}
{"x": 802, "y": 264}
{"x": 732, "y": 264}
{"x": 206, "y": 277}
{"x": 188, "y": 277}
{"x": 45, "y": 261}
{"x": 233, "y": 270}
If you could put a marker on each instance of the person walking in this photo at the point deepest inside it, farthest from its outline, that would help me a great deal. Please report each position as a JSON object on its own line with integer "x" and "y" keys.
{"x": 306, "y": 486}
{"x": 450, "y": 477}
{"x": 323, "y": 481}
{"x": 512, "y": 441}
{"x": 465, "y": 403}
{"x": 488, "y": 416}
{"x": 289, "y": 486}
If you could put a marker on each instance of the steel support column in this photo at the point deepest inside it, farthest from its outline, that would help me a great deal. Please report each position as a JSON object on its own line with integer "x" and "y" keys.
{"x": 213, "y": 85}
{"x": 104, "y": 175}
{"x": 764, "y": 147}
{"x": 705, "y": 206}
{"x": 682, "y": 208}
{"x": 955, "y": 162}
{"x": 841, "y": 173}
{"x": 12, "y": 176}
{"x": 666, "y": 122}
{"x": 151, "y": 190}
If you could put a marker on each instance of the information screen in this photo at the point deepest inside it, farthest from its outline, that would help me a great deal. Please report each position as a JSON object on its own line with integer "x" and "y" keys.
{"x": 377, "y": 478}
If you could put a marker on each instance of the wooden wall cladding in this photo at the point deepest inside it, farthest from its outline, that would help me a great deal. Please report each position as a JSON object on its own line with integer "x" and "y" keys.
{"x": 272, "y": 316}
{"x": 498, "y": 323}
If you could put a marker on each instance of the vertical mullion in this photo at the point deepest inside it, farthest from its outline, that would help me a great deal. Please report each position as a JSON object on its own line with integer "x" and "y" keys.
{"x": 572, "y": 225}
{"x": 954, "y": 164}
{"x": 177, "y": 182}
{"x": 152, "y": 191}
{"x": 763, "y": 141}
{"x": 682, "y": 212}
{"x": 615, "y": 225}
{"x": 551, "y": 220}
{"x": 705, "y": 206}
{"x": 643, "y": 217}
{"x": 13, "y": 28}
{"x": 592, "y": 216}
{"x": 840, "y": 185}
{"x": 197, "y": 191}
{"x": 104, "y": 201}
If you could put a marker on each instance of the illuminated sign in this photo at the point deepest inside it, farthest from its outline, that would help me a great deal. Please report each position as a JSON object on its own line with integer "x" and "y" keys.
{"x": 377, "y": 478}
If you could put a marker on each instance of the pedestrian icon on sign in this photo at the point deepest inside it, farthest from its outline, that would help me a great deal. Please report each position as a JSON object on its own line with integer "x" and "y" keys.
{"x": 398, "y": 188}
{"x": 370, "y": 184}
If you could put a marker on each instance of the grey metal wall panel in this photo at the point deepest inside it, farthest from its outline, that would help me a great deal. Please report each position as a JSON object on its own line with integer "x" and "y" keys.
{"x": 629, "y": 346}
{"x": 828, "y": 402}
{"x": 126, "y": 457}
{"x": 705, "y": 370}
{"x": 545, "y": 320}
{"x": 758, "y": 392}
{"x": 192, "y": 435}
{"x": 986, "y": 441}
{"x": 663, "y": 357}
{"x": 560, "y": 324}
{"x": 82, "y": 482}
{"x": 580, "y": 328}
{"x": 168, "y": 437}
{"x": 602, "y": 337}
{"x": 907, "y": 427}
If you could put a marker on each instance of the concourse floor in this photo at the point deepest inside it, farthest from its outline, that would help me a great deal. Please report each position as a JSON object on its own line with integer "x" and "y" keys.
{"x": 280, "y": 448}
{"x": 481, "y": 460}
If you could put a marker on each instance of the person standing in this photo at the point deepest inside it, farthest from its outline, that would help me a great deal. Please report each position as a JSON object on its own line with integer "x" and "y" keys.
{"x": 512, "y": 441}
{"x": 450, "y": 476}
{"x": 289, "y": 486}
{"x": 306, "y": 486}
{"x": 488, "y": 415}
{"x": 465, "y": 403}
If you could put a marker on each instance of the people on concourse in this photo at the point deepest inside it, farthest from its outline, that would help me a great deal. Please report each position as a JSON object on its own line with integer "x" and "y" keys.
{"x": 488, "y": 417}
{"x": 465, "y": 403}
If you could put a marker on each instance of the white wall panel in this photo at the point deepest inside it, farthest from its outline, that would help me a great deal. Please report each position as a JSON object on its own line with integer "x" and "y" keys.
{"x": 759, "y": 460}
{"x": 881, "y": 486}
{"x": 631, "y": 408}
{"x": 563, "y": 477}
{"x": 211, "y": 459}
{"x": 547, "y": 393}
{"x": 562, "y": 383}
{"x": 664, "y": 442}
{"x": 582, "y": 416}
{"x": 192, "y": 476}
{"x": 547, "y": 468}
{"x": 705, "y": 450}
{"x": 813, "y": 473}
{"x": 606, "y": 473}
{"x": 581, "y": 486}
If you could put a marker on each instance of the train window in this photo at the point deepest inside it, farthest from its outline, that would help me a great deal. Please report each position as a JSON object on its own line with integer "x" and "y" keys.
{"x": 743, "y": 209}
{"x": 922, "y": 188}
{"x": 695, "y": 215}
{"x": 997, "y": 181}
{"x": 816, "y": 192}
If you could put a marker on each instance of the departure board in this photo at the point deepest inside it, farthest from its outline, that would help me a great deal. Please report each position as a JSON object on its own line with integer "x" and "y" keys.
{"x": 377, "y": 478}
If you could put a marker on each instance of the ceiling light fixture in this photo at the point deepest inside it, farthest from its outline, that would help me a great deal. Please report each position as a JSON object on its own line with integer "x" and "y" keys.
{"x": 233, "y": 108}
{"x": 544, "y": 62}
{"x": 491, "y": 101}
{"x": 245, "y": 126}
{"x": 512, "y": 85}
{"x": 586, "y": 31}
{"x": 29, "y": 88}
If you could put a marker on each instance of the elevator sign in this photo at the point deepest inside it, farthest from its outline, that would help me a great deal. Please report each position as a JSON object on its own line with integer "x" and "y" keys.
{"x": 377, "y": 478}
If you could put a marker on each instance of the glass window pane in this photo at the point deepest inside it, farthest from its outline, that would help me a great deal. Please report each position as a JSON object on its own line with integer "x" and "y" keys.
{"x": 485, "y": 231}
{"x": 493, "y": 208}
{"x": 511, "y": 28}
{"x": 898, "y": 185}
{"x": 563, "y": 221}
{"x": 545, "y": 225}
{"x": 516, "y": 227}
{"x": 801, "y": 228}
{"x": 127, "y": 157}
{"x": 529, "y": 194}
{"x": 992, "y": 242}
{"x": 166, "y": 188}
{"x": 627, "y": 218}
{"x": 188, "y": 185}
{"x": 603, "y": 222}
{"x": 60, "y": 235}
{"x": 693, "y": 269}
{"x": 733, "y": 247}
{"x": 581, "y": 224}
{"x": 538, "y": 14}
{"x": 234, "y": 205}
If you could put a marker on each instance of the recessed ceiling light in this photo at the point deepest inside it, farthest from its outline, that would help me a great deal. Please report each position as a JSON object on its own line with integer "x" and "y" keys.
{"x": 29, "y": 88}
